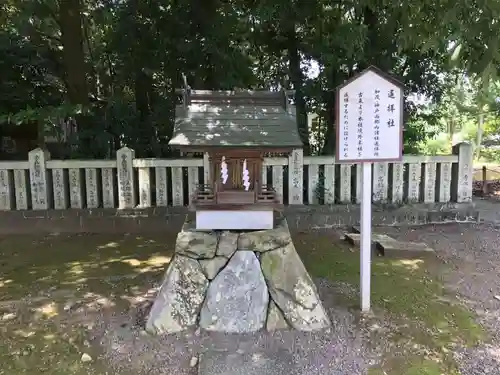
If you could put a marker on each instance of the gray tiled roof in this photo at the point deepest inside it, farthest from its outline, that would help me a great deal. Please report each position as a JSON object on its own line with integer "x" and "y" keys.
{"x": 236, "y": 125}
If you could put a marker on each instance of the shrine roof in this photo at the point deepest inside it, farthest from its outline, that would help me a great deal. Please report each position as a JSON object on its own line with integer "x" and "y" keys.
{"x": 228, "y": 119}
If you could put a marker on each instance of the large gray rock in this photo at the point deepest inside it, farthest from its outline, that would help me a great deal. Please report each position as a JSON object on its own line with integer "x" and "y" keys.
{"x": 275, "y": 318}
{"x": 211, "y": 267}
{"x": 228, "y": 243}
{"x": 197, "y": 245}
{"x": 179, "y": 300}
{"x": 266, "y": 240}
{"x": 293, "y": 290}
{"x": 237, "y": 298}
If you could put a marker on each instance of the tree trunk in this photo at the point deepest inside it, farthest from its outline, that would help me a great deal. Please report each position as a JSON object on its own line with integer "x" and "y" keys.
{"x": 479, "y": 138}
{"x": 70, "y": 20}
{"x": 297, "y": 78}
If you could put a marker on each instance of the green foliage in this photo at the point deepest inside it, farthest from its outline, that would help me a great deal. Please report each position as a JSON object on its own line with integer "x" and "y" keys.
{"x": 122, "y": 61}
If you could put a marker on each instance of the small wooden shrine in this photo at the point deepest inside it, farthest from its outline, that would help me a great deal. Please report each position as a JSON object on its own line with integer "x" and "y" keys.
{"x": 237, "y": 129}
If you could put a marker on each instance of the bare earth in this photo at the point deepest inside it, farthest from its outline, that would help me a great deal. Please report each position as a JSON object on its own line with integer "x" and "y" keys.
{"x": 472, "y": 253}
{"x": 76, "y": 295}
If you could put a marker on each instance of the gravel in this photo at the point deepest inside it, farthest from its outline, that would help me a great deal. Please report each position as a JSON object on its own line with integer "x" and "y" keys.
{"x": 352, "y": 344}
{"x": 472, "y": 252}
{"x": 345, "y": 348}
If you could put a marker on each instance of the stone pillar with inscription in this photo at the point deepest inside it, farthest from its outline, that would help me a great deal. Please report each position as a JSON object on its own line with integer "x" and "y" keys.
{"x": 6, "y": 190}
{"x": 295, "y": 176}
{"x": 126, "y": 187}
{"x": 465, "y": 171}
{"x": 40, "y": 191}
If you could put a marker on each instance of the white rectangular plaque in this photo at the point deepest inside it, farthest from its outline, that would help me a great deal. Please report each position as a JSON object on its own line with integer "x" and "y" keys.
{"x": 369, "y": 118}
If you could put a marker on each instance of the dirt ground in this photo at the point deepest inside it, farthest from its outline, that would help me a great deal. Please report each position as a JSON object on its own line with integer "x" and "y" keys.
{"x": 67, "y": 307}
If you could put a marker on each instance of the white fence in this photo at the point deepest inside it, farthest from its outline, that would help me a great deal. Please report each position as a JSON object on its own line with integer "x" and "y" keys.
{"x": 40, "y": 183}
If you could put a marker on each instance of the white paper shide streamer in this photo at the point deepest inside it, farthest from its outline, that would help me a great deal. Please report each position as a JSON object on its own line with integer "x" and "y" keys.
{"x": 223, "y": 170}
{"x": 246, "y": 176}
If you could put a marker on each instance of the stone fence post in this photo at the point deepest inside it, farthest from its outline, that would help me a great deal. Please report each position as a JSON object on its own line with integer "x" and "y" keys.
{"x": 40, "y": 188}
{"x": 463, "y": 188}
{"x": 126, "y": 184}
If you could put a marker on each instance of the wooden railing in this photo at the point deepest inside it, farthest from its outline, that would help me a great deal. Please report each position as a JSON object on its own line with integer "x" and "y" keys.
{"x": 40, "y": 183}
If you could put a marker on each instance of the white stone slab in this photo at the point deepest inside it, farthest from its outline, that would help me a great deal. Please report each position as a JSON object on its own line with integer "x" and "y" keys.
{"x": 21, "y": 188}
{"x": 75, "y": 188}
{"x": 234, "y": 220}
{"x": 445, "y": 182}
{"x": 59, "y": 184}
{"x": 312, "y": 187}
{"x": 92, "y": 187}
{"x": 414, "y": 175}
{"x": 430, "y": 183}
{"x": 295, "y": 177}
{"x": 108, "y": 188}
{"x": 144, "y": 187}
{"x": 161, "y": 186}
{"x": 397, "y": 182}
{"x": 329, "y": 184}
{"x": 345, "y": 183}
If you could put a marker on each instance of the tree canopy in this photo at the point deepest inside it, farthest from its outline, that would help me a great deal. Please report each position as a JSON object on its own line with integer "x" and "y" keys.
{"x": 114, "y": 65}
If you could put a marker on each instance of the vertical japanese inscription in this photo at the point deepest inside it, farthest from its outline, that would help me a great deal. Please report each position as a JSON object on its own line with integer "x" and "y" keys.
{"x": 380, "y": 182}
{"x": 360, "y": 126}
{"x": 58, "y": 182}
{"x": 397, "y": 182}
{"x": 126, "y": 188}
{"x": 5, "y": 190}
{"x": 346, "y": 126}
{"x": 295, "y": 168}
{"x": 91, "y": 186}
{"x": 75, "y": 188}
{"x": 369, "y": 119}
{"x": 376, "y": 123}
{"x": 108, "y": 192}
{"x": 161, "y": 186}
{"x": 466, "y": 182}
{"x": 126, "y": 181}
{"x": 38, "y": 179}
{"x": 445, "y": 182}
{"x": 414, "y": 182}
{"x": 20, "y": 188}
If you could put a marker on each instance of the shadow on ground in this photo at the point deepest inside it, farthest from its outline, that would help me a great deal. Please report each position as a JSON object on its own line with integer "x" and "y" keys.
{"x": 54, "y": 289}
{"x": 50, "y": 286}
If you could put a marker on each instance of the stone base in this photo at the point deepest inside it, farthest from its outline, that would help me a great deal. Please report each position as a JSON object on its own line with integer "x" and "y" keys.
{"x": 236, "y": 283}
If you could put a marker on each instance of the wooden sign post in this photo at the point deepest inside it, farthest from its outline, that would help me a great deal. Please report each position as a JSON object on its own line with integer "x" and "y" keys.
{"x": 369, "y": 129}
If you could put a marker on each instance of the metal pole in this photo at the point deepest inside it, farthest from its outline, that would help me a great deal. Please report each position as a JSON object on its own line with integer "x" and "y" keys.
{"x": 366, "y": 234}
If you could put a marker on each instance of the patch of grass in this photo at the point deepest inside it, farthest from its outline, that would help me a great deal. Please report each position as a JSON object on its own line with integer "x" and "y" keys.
{"x": 40, "y": 276}
{"x": 429, "y": 317}
{"x": 410, "y": 366}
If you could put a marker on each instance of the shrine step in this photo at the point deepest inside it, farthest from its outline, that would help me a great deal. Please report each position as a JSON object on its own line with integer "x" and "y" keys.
{"x": 386, "y": 246}
{"x": 355, "y": 238}
{"x": 392, "y": 248}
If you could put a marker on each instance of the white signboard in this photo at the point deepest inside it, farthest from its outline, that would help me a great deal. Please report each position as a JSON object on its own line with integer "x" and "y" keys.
{"x": 369, "y": 129}
{"x": 369, "y": 118}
